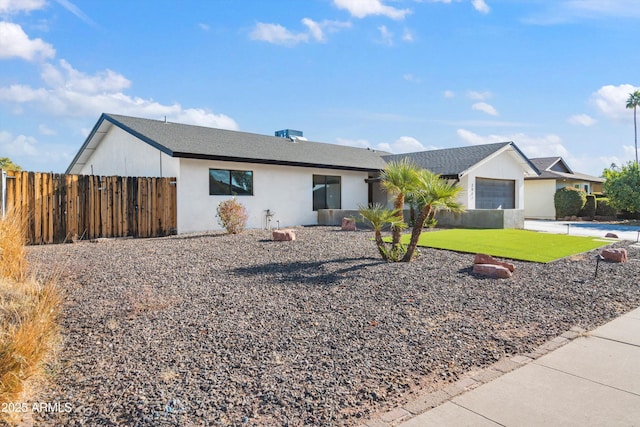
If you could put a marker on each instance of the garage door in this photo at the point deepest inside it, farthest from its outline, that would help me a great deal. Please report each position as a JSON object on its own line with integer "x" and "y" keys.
{"x": 495, "y": 193}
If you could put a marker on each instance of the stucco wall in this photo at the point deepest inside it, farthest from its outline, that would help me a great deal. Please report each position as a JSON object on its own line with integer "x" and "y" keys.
{"x": 539, "y": 199}
{"x": 120, "y": 153}
{"x": 503, "y": 166}
{"x": 285, "y": 190}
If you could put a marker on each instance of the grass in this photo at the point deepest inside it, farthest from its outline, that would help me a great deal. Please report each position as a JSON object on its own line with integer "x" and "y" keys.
{"x": 28, "y": 309}
{"x": 521, "y": 245}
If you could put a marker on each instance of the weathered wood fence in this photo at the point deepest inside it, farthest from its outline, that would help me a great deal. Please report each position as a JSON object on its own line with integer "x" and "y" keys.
{"x": 58, "y": 208}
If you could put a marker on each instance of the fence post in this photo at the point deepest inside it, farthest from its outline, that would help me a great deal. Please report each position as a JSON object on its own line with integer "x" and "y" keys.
{"x": 4, "y": 193}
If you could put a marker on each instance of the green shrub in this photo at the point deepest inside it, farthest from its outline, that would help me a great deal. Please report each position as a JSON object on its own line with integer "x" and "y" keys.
{"x": 604, "y": 208}
{"x": 569, "y": 201}
{"x": 232, "y": 216}
{"x": 589, "y": 209}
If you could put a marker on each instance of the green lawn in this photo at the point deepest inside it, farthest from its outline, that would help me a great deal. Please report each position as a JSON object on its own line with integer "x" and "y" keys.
{"x": 509, "y": 243}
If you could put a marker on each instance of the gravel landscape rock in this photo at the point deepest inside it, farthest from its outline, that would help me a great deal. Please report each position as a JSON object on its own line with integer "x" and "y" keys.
{"x": 215, "y": 329}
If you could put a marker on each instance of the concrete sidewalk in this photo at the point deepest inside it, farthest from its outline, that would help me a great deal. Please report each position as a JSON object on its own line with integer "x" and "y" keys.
{"x": 584, "y": 228}
{"x": 593, "y": 380}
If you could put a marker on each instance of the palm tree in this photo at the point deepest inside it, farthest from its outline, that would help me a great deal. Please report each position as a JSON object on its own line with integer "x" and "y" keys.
{"x": 399, "y": 178}
{"x": 379, "y": 216}
{"x": 432, "y": 194}
{"x": 634, "y": 102}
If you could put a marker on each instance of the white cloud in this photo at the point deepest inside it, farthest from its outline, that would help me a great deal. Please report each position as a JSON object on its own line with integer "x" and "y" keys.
{"x": 612, "y": 100}
{"x": 15, "y": 43}
{"x": 70, "y": 92}
{"x": 448, "y": 94}
{"x": 19, "y": 146}
{"x": 71, "y": 79}
{"x": 363, "y": 8}
{"x": 404, "y": 144}
{"x": 204, "y": 27}
{"x": 76, "y": 11}
{"x": 485, "y": 108}
{"x": 582, "y": 120}
{"x": 277, "y": 34}
{"x": 46, "y": 130}
{"x": 545, "y": 146}
{"x": 479, "y": 5}
{"x": 411, "y": 78}
{"x": 386, "y": 36}
{"x": 14, "y": 6}
{"x": 479, "y": 96}
{"x": 407, "y": 35}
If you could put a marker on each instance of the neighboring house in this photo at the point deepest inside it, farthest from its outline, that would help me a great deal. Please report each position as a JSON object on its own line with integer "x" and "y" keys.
{"x": 491, "y": 175}
{"x": 286, "y": 179}
{"x": 555, "y": 173}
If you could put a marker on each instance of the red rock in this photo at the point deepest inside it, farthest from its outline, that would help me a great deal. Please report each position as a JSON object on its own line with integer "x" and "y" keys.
{"x": 492, "y": 270}
{"x": 615, "y": 255}
{"x": 488, "y": 259}
{"x": 348, "y": 224}
{"x": 284, "y": 235}
{"x": 611, "y": 235}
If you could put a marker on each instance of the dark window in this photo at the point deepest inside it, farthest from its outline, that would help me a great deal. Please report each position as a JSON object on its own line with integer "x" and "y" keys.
{"x": 495, "y": 193}
{"x": 226, "y": 182}
{"x": 326, "y": 192}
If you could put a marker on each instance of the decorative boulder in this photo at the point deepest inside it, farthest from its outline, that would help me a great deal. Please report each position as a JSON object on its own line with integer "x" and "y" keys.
{"x": 348, "y": 224}
{"x": 492, "y": 270}
{"x": 611, "y": 235}
{"x": 284, "y": 235}
{"x": 488, "y": 259}
{"x": 615, "y": 255}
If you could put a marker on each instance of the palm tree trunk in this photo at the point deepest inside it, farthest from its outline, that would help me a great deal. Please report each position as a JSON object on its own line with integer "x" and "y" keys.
{"x": 396, "y": 232}
{"x": 415, "y": 232}
{"x": 380, "y": 245}
{"x": 635, "y": 130}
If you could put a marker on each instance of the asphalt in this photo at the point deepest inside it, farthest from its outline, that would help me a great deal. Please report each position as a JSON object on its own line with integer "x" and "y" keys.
{"x": 593, "y": 380}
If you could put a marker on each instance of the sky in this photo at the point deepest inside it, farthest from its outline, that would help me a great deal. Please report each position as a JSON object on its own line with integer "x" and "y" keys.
{"x": 553, "y": 76}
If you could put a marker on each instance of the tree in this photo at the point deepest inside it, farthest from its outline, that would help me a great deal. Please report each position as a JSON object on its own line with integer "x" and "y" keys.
{"x": 632, "y": 103}
{"x": 399, "y": 179}
{"x": 379, "y": 217}
{"x": 7, "y": 165}
{"x": 622, "y": 187}
{"x": 432, "y": 193}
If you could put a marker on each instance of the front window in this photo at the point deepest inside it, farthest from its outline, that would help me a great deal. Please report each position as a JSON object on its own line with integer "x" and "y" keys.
{"x": 224, "y": 182}
{"x": 326, "y": 192}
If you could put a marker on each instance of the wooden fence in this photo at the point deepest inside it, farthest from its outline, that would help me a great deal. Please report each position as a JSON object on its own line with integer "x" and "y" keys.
{"x": 58, "y": 208}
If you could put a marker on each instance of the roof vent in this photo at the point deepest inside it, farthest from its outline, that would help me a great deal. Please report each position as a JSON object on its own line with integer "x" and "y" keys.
{"x": 291, "y": 134}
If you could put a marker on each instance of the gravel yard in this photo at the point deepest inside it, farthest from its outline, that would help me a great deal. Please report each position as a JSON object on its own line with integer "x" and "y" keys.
{"x": 215, "y": 329}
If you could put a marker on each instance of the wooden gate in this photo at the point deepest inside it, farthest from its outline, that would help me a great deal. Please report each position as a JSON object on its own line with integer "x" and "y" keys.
{"x": 57, "y": 208}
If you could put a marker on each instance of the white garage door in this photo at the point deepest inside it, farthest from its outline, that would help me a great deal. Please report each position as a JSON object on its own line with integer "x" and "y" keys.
{"x": 495, "y": 193}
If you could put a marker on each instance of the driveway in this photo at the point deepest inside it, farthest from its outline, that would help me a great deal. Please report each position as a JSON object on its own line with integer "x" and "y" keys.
{"x": 581, "y": 228}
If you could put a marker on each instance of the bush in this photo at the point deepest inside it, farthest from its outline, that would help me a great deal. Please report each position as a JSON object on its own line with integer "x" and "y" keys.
{"x": 232, "y": 216}
{"x": 589, "y": 209}
{"x": 622, "y": 187}
{"x": 569, "y": 201}
{"x": 28, "y": 310}
{"x": 604, "y": 208}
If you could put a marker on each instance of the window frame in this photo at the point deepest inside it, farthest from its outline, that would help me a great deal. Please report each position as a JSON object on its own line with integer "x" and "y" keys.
{"x": 229, "y": 183}
{"x": 325, "y": 205}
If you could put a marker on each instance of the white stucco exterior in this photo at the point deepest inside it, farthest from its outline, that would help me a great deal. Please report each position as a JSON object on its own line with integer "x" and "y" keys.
{"x": 120, "y": 153}
{"x": 503, "y": 165}
{"x": 284, "y": 190}
{"x": 539, "y": 201}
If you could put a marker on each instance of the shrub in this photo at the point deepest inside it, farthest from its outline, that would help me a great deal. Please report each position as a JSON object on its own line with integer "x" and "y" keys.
{"x": 569, "y": 201}
{"x": 622, "y": 187}
{"x": 232, "y": 216}
{"x": 28, "y": 309}
{"x": 589, "y": 209}
{"x": 604, "y": 208}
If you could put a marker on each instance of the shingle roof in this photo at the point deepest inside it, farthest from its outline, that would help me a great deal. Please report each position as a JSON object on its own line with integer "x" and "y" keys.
{"x": 544, "y": 165}
{"x": 188, "y": 141}
{"x": 452, "y": 162}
